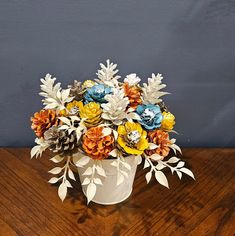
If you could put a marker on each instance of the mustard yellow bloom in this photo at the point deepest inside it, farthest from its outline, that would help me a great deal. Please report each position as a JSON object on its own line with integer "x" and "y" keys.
{"x": 72, "y": 108}
{"x": 168, "y": 121}
{"x": 88, "y": 84}
{"x": 132, "y": 138}
{"x": 91, "y": 112}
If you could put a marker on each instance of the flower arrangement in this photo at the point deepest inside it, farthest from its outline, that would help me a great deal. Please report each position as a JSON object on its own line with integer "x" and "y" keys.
{"x": 105, "y": 119}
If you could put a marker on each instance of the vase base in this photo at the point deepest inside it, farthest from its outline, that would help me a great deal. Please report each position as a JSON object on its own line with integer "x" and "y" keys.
{"x": 111, "y": 203}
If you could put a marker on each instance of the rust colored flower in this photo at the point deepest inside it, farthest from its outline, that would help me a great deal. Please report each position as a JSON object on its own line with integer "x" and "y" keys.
{"x": 96, "y": 145}
{"x": 43, "y": 120}
{"x": 133, "y": 93}
{"x": 160, "y": 138}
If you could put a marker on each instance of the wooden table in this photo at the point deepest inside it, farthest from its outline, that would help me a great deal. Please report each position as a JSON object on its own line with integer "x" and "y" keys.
{"x": 30, "y": 206}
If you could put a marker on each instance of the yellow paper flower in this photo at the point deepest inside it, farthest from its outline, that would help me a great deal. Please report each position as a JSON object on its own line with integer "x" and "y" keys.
{"x": 88, "y": 84}
{"x": 132, "y": 138}
{"x": 168, "y": 121}
{"x": 72, "y": 108}
{"x": 91, "y": 112}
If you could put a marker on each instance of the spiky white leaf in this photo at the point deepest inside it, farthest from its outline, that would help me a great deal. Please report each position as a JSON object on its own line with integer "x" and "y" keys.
{"x": 108, "y": 74}
{"x": 65, "y": 120}
{"x": 132, "y": 79}
{"x": 151, "y": 92}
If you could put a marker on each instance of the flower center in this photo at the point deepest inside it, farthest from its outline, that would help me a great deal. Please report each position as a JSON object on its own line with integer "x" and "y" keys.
{"x": 99, "y": 90}
{"x": 73, "y": 110}
{"x": 134, "y": 136}
{"x": 148, "y": 114}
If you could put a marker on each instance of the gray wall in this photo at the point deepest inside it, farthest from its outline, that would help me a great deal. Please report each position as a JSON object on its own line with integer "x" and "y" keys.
{"x": 191, "y": 42}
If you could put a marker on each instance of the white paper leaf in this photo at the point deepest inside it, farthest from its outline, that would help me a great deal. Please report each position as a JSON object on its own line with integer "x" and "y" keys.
{"x": 180, "y": 164}
{"x": 57, "y": 159}
{"x": 188, "y": 172}
{"x": 179, "y": 174}
{"x": 53, "y": 180}
{"x": 152, "y": 146}
{"x": 139, "y": 159}
{"x": 126, "y": 165}
{"x": 34, "y": 150}
{"x": 148, "y": 176}
{"x": 114, "y": 163}
{"x": 97, "y": 181}
{"x": 161, "y": 178}
{"x": 88, "y": 171}
{"x": 65, "y": 120}
{"x": 82, "y": 161}
{"x": 62, "y": 191}
{"x": 68, "y": 184}
{"x": 146, "y": 163}
{"x": 65, "y": 94}
{"x": 106, "y": 131}
{"x": 160, "y": 166}
{"x": 91, "y": 190}
{"x": 176, "y": 147}
{"x": 55, "y": 170}
{"x": 71, "y": 175}
{"x": 120, "y": 179}
{"x": 156, "y": 157}
{"x": 100, "y": 171}
{"x": 173, "y": 160}
{"x": 115, "y": 134}
{"x": 63, "y": 127}
{"x": 86, "y": 181}
{"x": 113, "y": 153}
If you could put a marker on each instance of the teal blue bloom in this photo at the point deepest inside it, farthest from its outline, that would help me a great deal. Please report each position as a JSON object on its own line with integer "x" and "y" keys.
{"x": 151, "y": 116}
{"x": 97, "y": 93}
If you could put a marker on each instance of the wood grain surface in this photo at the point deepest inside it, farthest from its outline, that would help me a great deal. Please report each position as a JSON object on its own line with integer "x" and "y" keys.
{"x": 30, "y": 206}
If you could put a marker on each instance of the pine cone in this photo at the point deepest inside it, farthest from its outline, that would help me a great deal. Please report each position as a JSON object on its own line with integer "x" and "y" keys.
{"x": 60, "y": 140}
{"x": 134, "y": 94}
{"x": 162, "y": 106}
{"x": 77, "y": 90}
{"x": 43, "y": 120}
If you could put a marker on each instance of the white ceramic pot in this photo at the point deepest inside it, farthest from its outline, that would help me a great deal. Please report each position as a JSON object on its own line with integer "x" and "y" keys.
{"x": 109, "y": 193}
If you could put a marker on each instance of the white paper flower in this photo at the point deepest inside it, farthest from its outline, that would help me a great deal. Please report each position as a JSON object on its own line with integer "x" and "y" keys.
{"x": 132, "y": 79}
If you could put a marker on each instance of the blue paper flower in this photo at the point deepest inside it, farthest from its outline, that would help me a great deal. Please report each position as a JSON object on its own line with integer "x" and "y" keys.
{"x": 97, "y": 93}
{"x": 151, "y": 116}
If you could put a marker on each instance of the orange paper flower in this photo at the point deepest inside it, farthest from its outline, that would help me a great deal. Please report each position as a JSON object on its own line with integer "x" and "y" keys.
{"x": 43, "y": 120}
{"x": 133, "y": 93}
{"x": 160, "y": 138}
{"x": 96, "y": 145}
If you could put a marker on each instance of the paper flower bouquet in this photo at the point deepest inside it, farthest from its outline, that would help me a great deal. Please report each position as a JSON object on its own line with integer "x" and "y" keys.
{"x": 103, "y": 128}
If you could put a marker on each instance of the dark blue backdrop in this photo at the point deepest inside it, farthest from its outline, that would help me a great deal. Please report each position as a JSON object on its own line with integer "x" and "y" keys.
{"x": 192, "y": 43}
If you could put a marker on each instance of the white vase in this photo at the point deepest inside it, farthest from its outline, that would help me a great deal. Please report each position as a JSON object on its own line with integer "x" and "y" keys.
{"x": 110, "y": 193}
